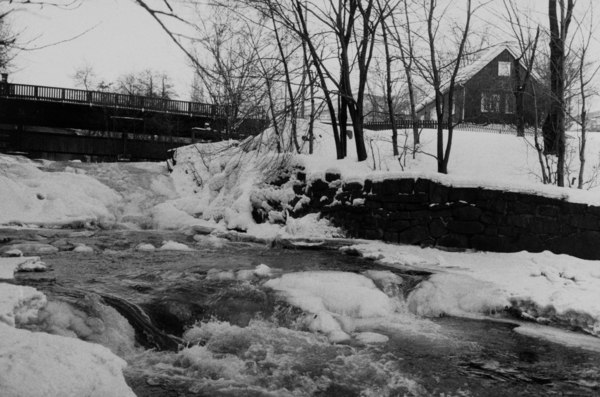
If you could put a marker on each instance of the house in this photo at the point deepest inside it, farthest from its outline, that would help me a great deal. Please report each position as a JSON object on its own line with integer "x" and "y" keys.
{"x": 483, "y": 91}
{"x": 593, "y": 123}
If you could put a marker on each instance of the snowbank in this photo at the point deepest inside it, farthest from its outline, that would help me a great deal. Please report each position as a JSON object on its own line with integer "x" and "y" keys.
{"x": 334, "y": 299}
{"x": 39, "y": 364}
{"x": 36, "y": 364}
{"x": 545, "y": 287}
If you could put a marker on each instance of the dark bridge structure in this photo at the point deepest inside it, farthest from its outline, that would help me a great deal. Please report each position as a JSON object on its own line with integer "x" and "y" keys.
{"x": 62, "y": 123}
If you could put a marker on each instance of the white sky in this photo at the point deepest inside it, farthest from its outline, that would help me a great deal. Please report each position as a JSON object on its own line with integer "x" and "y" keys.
{"x": 125, "y": 39}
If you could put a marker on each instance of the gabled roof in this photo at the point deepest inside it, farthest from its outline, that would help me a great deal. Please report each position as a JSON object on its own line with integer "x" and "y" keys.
{"x": 467, "y": 72}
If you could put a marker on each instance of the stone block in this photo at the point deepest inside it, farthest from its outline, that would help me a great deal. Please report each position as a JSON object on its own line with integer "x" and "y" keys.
{"x": 493, "y": 243}
{"x": 438, "y": 194}
{"x": 466, "y": 194}
{"x": 330, "y": 176}
{"x": 530, "y": 243}
{"x": 299, "y": 189}
{"x": 466, "y": 227}
{"x": 583, "y": 221}
{"x": 392, "y": 207}
{"x": 372, "y": 204}
{"x": 318, "y": 185}
{"x": 422, "y": 186}
{"x": 584, "y": 245}
{"x": 390, "y": 187}
{"x": 406, "y": 185}
{"x": 390, "y": 237}
{"x": 573, "y": 208}
{"x": 377, "y": 188}
{"x": 437, "y": 228}
{"x": 592, "y": 210}
{"x": 398, "y": 225}
{"x": 490, "y": 195}
{"x": 352, "y": 186}
{"x": 548, "y": 210}
{"x": 454, "y": 241}
{"x": 539, "y": 225}
{"x": 492, "y": 218}
{"x": 519, "y": 207}
{"x": 414, "y": 235}
{"x": 468, "y": 213}
{"x": 518, "y": 220}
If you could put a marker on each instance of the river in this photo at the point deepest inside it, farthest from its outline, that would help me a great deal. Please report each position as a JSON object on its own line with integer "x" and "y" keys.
{"x": 242, "y": 340}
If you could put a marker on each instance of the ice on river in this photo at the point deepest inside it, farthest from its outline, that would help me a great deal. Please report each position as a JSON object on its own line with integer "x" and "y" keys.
{"x": 545, "y": 287}
{"x": 36, "y": 364}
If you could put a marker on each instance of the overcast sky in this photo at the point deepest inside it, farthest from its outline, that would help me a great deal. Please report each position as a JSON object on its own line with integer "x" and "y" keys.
{"x": 123, "y": 38}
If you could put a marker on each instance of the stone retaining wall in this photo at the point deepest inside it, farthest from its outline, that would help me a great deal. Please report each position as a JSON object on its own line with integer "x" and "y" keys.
{"x": 428, "y": 213}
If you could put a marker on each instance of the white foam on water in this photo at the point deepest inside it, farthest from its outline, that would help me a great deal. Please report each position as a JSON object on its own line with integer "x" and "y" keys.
{"x": 271, "y": 360}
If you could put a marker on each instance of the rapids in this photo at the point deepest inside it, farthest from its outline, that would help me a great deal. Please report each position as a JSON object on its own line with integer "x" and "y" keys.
{"x": 202, "y": 323}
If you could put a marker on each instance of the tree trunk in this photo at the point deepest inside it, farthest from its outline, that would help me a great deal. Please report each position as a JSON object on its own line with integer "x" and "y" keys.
{"x": 388, "y": 89}
{"x": 555, "y": 123}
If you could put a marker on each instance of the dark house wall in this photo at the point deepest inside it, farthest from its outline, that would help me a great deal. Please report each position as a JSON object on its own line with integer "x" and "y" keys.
{"x": 488, "y": 82}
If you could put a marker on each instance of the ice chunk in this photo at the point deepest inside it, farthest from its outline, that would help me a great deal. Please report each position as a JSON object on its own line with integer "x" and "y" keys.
{"x": 36, "y": 364}
{"x": 174, "y": 246}
{"x": 456, "y": 295}
{"x": 19, "y": 304}
{"x": 371, "y": 337}
{"x": 145, "y": 247}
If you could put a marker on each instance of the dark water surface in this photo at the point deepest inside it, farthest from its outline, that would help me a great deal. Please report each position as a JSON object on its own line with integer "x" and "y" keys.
{"x": 443, "y": 356}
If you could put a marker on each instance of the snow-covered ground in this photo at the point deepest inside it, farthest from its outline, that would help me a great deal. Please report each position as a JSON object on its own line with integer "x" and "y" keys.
{"x": 215, "y": 186}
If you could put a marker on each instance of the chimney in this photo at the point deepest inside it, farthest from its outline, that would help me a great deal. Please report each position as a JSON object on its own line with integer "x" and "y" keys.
{"x": 4, "y": 77}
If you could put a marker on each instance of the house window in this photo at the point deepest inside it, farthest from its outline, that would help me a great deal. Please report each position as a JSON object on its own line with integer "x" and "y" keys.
{"x": 510, "y": 103}
{"x": 503, "y": 68}
{"x": 490, "y": 103}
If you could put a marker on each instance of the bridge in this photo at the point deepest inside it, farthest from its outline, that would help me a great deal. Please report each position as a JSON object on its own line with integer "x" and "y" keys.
{"x": 62, "y": 123}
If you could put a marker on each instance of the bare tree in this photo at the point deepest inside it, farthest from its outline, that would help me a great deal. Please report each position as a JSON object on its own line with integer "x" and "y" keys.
{"x": 436, "y": 66}
{"x": 519, "y": 24}
{"x": 554, "y": 126}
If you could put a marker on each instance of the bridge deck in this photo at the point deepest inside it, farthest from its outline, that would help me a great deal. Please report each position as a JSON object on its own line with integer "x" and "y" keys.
{"x": 108, "y": 99}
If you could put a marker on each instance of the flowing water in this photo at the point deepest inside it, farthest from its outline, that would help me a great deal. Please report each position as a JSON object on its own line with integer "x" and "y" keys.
{"x": 246, "y": 342}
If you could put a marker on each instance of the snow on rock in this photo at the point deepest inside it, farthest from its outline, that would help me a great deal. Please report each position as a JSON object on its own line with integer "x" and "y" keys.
{"x": 456, "y": 295}
{"x": 36, "y": 364}
{"x": 29, "y": 195}
{"x": 13, "y": 253}
{"x": 32, "y": 265}
{"x": 19, "y": 304}
{"x": 333, "y": 299}
{"x": 8, "y": 266}
{"x": 145, "y": 247}
{"x": 371, "y": 338}
{"x": 263, "y": 270}
{"x": 544, "y": 287}
{"x": 83, "y": 249}
{"x": 174, "y": 246}
{"x": 88, "y": 319}
{"x": 216, "y": 274}
{"x": 31, "y": 248}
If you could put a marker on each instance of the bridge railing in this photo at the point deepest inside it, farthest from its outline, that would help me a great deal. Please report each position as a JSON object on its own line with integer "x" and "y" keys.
{"x": 98, "y": 98}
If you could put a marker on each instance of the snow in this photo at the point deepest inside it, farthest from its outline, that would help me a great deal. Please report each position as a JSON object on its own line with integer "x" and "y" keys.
{"x": 36, "y": 364}
{"x": 333, "y": 299}
{"x": 19, "y": 304}
{"x": 174, "y": 246}
{"x": 8, "y": 266}
{"x": 545, "y": 286}
{"x": 215, "y": 187}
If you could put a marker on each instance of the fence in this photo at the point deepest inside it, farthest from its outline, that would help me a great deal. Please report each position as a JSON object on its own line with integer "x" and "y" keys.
{"x": 68, "y": 95}
{"x": 433, "y": 124}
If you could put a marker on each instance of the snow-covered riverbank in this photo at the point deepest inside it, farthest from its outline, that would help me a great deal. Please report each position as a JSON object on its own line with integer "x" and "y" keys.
{"x": 216, "y": 186}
